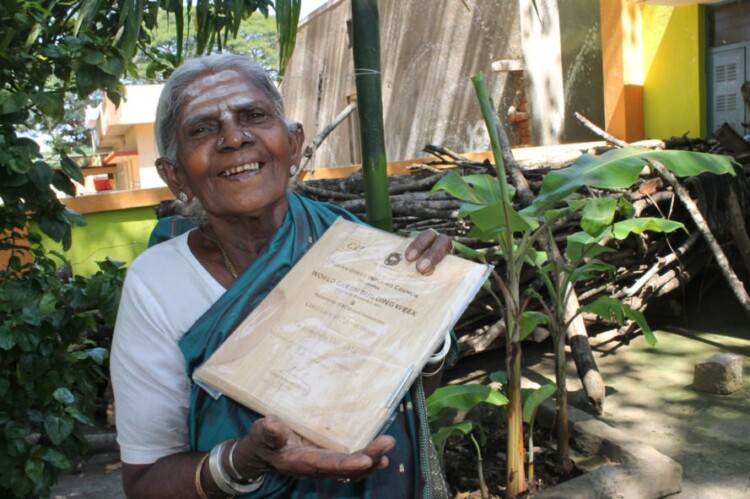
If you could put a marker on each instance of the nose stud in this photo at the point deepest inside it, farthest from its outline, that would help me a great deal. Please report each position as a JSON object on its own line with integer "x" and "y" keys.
{"x": 220, "y": 142}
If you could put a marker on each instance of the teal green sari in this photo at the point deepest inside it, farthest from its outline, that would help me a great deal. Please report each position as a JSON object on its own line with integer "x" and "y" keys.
{"x": 210, "y": 421}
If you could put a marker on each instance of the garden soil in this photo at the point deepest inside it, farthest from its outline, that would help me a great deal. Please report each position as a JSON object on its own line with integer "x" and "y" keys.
{"x": 649, "y": 397}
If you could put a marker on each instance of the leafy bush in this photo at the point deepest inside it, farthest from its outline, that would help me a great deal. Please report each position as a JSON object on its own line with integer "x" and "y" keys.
{"x": 51, "y": 371}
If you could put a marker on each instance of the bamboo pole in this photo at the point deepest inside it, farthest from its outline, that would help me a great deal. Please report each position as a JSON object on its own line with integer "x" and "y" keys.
{"x": 366, "y": 51}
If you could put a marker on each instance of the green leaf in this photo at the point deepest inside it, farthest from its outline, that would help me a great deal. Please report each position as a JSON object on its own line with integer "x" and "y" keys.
{"x": 613, "y": 310}
{"x": 491, "y": 218}
{"x": 590, "y": 270}
{"x": 455, "y": 185}
{"x": 64, "y": 396}
{"x": 620, "y": 168}
{"x": 113, "y": 65}
{"x": 623, "y": 228}
{"x": 11, "y": 102}
{"x": 55, "y": 458}
{"x": 40, "y": 174}
{"x": 463, "y": 397}
{"x": 61, "y": 182}
{"x": 7, "y": 338}
{"x": 71, "y": 169}
{"x": 97, "y": 354}
{"x": 34, "y": 469}
{"x": 598, "y": 214}
{"x": 287, "y": 19}
{"x": 488, "y": 188}
{"x": 535, "y": 399}
{"x": 74, "y": 218}
{"x": 441, "y": 436}
{"x": 499, "y": 377}
{"x": 530, "y": 319}
{"x": 79, "y": 416}
{"x": 50, "y": 104}
{"x": 582, "y": 245}
{"x": 89, "y": 10}
{"x": 58, "y": 428}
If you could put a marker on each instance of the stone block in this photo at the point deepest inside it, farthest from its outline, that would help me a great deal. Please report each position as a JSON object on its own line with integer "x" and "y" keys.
{"x": 720, "y": 373}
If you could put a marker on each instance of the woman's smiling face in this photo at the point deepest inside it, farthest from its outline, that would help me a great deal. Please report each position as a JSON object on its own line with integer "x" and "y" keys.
{"x": 234, "y": 150}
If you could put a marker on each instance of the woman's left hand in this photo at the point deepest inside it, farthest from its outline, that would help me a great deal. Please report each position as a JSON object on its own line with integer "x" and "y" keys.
{"x": 428, "y": 249}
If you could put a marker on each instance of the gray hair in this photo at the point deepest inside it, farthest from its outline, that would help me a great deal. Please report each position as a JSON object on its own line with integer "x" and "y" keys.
{"x": 173, "y": 95}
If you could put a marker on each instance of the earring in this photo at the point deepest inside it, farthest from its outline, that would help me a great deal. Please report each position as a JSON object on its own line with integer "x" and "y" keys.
{"x": 183, "y": 197}
{"x": 248, "y": 135}
{"x": 292, "y": 170}
{"x": 220, "y": 142}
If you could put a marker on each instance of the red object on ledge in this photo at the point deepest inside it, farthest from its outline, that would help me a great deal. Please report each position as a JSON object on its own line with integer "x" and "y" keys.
{"x": 103, "y": 184}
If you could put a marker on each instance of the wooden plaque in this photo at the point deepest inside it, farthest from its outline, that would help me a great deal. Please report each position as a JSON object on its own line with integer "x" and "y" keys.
{"x": 336, "y": 345}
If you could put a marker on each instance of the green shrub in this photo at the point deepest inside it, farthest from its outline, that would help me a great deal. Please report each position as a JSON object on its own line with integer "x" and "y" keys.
{"x": 51, "y": 371}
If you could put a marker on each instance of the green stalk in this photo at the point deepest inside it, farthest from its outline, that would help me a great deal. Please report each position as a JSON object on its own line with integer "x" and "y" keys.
{"x": 366, "y": 51}
{"x": 561, "y": 288}
{"x": 480, "y": 469}
{"x": 489, "y": 118}
{"x": 515, "y": 478}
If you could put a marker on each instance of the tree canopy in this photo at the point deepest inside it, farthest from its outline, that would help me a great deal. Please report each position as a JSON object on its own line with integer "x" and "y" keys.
{"x": 55, "y": 54}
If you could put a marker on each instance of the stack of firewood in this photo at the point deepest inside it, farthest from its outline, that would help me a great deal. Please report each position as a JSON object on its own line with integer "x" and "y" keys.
{"x": 649, "y": 267}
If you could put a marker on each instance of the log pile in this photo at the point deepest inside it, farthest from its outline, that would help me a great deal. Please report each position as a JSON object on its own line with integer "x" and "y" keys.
{"x": 648, "y": 267}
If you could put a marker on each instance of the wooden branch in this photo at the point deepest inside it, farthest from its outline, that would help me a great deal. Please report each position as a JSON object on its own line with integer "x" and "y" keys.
{"x": 726, "y": 269}
{"x": 601, "y": 133}
{"x": 658, "y": 266}
{"x": 311, "y": 190}
{"x": 310, "y": 150}
{"x": 511, "y": 165}
{"x": 737, "y": 226}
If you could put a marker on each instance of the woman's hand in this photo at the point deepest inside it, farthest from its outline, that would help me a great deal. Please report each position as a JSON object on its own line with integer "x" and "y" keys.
{"x": 428, "y": 249}
{"x": 273, "y": 445}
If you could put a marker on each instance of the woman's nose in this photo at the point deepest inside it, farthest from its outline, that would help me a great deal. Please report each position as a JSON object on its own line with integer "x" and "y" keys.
{"x": 233, "y": 137}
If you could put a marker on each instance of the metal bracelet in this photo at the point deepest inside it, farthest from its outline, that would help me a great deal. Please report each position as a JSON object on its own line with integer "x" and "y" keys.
{"x": 436, "y": 371}
{"x": 443, "y": 351}
{"x": 233, "y": 470}
{"x": 223, "y": 480}
{"x": 216, "y": 467}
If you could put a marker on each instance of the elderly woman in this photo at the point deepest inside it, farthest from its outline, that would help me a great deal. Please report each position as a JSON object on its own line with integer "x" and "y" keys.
{"x": 224, "y": 141}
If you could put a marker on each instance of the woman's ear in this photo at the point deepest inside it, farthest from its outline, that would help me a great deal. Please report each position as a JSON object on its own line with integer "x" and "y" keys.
{"x": 297, "y": 139}
{"x": 169, "y": 174}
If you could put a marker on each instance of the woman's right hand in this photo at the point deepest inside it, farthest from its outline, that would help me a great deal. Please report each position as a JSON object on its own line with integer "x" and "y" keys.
{"x": 272, "y": 445}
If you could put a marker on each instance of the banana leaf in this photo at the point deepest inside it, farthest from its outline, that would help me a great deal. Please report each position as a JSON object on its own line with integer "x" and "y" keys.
{"x": 619, "y": 169}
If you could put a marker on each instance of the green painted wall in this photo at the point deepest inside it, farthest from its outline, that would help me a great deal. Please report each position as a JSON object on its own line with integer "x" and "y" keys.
{"x": 674, "y": 87}
{"x": 121, "y": 235}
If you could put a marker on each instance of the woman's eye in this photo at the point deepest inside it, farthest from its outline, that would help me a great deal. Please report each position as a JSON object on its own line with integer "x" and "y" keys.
{"x": 199, "y": 131}
{"x": 254, "y": 115}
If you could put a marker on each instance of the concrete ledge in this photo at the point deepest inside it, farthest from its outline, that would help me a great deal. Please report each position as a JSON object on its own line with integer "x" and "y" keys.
{"x": 633, "y": 470}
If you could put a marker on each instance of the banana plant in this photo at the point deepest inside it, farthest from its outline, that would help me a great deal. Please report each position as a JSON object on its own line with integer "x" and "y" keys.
{"x": 518, "y": 236}
{"x": 532, "y": 399}
{"x": 465, "y": 398}
{"x": 561, "y": 271}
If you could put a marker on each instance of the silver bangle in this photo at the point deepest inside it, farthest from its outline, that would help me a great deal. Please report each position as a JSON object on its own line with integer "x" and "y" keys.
{"x": 216, "y": 468}
{"x": 233, "y": 470}
{"x": 436, "y": 371}
{"x": 443, "y": 351}
{"x": 223, "y": 480}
